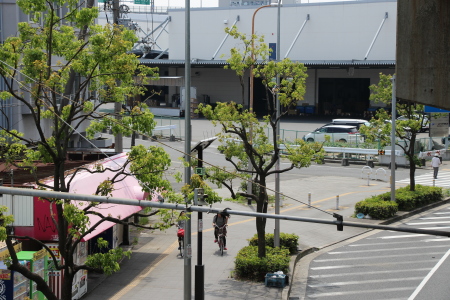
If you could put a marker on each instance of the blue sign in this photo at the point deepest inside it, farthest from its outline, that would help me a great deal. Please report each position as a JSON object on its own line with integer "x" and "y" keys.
{"x": 273, "y": 54}
{"x": 144, "y": 2}
{"x": 429, "y": 109}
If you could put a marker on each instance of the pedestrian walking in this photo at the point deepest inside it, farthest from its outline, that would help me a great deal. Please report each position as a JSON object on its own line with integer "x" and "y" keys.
{"x": 435, "y": 162}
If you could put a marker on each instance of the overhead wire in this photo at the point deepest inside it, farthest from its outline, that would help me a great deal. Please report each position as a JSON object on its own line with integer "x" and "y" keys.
{"x": 117, "y": 122}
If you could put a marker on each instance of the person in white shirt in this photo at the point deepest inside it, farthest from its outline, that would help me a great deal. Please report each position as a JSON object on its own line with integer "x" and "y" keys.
{"x": 435, "y": 162}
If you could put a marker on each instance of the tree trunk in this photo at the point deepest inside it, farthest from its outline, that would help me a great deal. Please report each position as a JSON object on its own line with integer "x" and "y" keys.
{"x": 261, "y": 230}
{"x": 66, "y": 291}
{"x": 261, "y": 207}
{"x": 412, "y": 172}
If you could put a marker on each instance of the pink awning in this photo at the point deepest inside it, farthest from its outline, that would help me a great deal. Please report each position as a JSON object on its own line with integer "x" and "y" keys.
{"x": 128, "y": 188}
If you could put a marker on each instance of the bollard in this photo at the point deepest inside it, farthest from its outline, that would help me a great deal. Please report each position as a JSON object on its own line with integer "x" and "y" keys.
{"x": 422, "y": 162}
{"x": 309, "y": 199}
{"x": 337, "y": 202}
{"x": 391, "y": 166}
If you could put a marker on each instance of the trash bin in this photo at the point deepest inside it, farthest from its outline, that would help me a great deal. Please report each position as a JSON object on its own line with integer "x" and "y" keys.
{"x": 370, "y": 163}
{"x": 345, "y": 162}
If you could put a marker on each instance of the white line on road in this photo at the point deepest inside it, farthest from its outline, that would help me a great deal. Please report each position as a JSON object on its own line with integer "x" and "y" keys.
{"x": 443, "y": 227}
{"x": 368, "y": 265}
{"x": 434, "y": 218}
{"x": 398, "y": 236}
{"x": 427, "y": 223}
{"x": 317, "y": 295}
{"x": 368, "y": 272}
{"x": 425, "y": 280}
{"x": 384, "y": 280}
{"x": 387, "y": 249}
{"x": 374, "y": 257}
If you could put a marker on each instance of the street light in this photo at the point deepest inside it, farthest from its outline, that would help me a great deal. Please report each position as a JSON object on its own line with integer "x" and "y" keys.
{"x": 200, "y": 268}
{"x": 276, "y": 234}
{"x": 249, "y": 185}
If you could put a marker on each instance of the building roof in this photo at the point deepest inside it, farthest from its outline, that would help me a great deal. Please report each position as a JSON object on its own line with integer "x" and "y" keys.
{"x": 308, "y": 63}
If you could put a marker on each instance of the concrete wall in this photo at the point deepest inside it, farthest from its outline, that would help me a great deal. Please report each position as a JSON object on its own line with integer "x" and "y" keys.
{"x": 335, "y": 31}
{"x": 423, "y": 52}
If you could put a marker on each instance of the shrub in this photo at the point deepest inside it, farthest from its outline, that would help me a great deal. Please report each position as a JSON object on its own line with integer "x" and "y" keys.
{"x": 288, "y": 241}
{"x": 380, "y": 206}
{"x": 249, "y": 266}
{"x": 377, "y": 208}
{"x": 423, "y": 195}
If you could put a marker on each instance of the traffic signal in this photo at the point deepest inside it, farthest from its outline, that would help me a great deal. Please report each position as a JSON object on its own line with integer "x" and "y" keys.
{"x": 199, "y": 197}
{"x": 340, "y": 219}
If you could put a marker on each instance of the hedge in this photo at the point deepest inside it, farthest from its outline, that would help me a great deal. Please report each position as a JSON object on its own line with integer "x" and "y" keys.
{"x": 380, "y": 206}
{"x": 249, "y": 266}
{"x": 376, "y": 208}
{"x": 287, "y": 240}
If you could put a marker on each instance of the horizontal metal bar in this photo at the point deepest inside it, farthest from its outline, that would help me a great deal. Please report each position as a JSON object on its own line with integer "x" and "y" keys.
{"x": 146, "y": 203}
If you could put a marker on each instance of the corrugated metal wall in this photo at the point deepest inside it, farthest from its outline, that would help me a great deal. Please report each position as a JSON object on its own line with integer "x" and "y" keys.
{"x": 21, "y": 207}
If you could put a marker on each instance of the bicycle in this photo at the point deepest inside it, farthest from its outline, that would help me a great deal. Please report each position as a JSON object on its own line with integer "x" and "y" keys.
{"x": 180, "y": 235}
{"x": 221, "y": 238}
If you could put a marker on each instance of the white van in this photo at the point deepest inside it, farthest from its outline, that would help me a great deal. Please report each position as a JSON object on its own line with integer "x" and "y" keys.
{"x": 351, "y": 122}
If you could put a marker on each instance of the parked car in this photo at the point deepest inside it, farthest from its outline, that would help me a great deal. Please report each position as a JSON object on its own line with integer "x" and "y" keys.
{"x": 425, "y": 121}
{"x": 352, "y": 122}
{"x": 341, "y": 133}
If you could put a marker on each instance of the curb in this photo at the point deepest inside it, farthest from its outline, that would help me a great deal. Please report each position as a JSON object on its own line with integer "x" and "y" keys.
{"x": 286, "y": 295}
{"x": 287, "y": 290}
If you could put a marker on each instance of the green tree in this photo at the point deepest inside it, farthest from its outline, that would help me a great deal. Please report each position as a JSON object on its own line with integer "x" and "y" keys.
{"x": 63, "y": 69}
{"x": 406, "y": 128}
{"x": 246, "y": 140}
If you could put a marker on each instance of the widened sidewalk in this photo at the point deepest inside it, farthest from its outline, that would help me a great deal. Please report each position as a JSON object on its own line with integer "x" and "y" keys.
{"x": 156, "y": 269}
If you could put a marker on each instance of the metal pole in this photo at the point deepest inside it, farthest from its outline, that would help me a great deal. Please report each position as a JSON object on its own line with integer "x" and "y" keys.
{"x": 376, "y": 35}
{"x": 337, "y": 202}
{"x": 117, "y": 200}
{"x": 296, "y": 37}
{"x": 118, "y": 138}
{"x": 394, "y": 110}
{"x": 309, "y": 199}
{"x": 187, "y": 147}
{"x": 200, "y": 268}
{"x": 276, "y": 236}
{"x": 252, "y": 80}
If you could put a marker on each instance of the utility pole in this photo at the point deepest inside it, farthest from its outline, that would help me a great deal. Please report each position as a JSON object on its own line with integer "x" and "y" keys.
{"x": 199, "y": 199}
{"x": 276, "y": 235}
{"x": 394, "y": 117}
{"x": 118, "y": 140}
{"x": 187, "y": 148}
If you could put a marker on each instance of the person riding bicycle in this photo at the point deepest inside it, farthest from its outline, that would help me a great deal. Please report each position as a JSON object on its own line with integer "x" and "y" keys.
{"x": 181, "y": 223}
{"x": 219, "y": 220}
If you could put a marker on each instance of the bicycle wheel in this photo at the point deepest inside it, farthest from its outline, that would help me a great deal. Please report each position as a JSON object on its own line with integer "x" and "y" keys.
{"x": 221, "y": 245}
{"x": 182, "y": 248}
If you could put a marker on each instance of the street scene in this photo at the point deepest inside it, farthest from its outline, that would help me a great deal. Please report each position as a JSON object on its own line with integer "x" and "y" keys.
{"x": 293, "y": 149}
{"x": 324, "y": 182}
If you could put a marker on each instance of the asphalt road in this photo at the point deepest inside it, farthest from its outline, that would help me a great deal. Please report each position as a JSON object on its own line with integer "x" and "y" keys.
{"x": 387, "y": 265}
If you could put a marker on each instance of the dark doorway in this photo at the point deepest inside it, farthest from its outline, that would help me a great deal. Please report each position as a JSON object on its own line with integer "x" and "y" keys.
{"x": 345, "y": 97}
{"x": 260, "y": 98}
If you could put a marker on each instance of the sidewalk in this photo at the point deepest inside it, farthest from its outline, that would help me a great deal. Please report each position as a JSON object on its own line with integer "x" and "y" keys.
{"x": 155, "y": 268}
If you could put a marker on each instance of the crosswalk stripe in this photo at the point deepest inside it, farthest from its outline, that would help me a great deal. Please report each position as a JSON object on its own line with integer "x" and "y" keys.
{"x": 427, "y": 179}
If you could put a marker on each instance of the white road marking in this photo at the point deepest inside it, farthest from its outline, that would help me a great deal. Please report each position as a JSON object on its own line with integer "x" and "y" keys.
{"x": 317, "y": 295}
{"x": 364, "y": 282}
{"x": 369, "y": 272}
{"x": 425, "y": 280}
